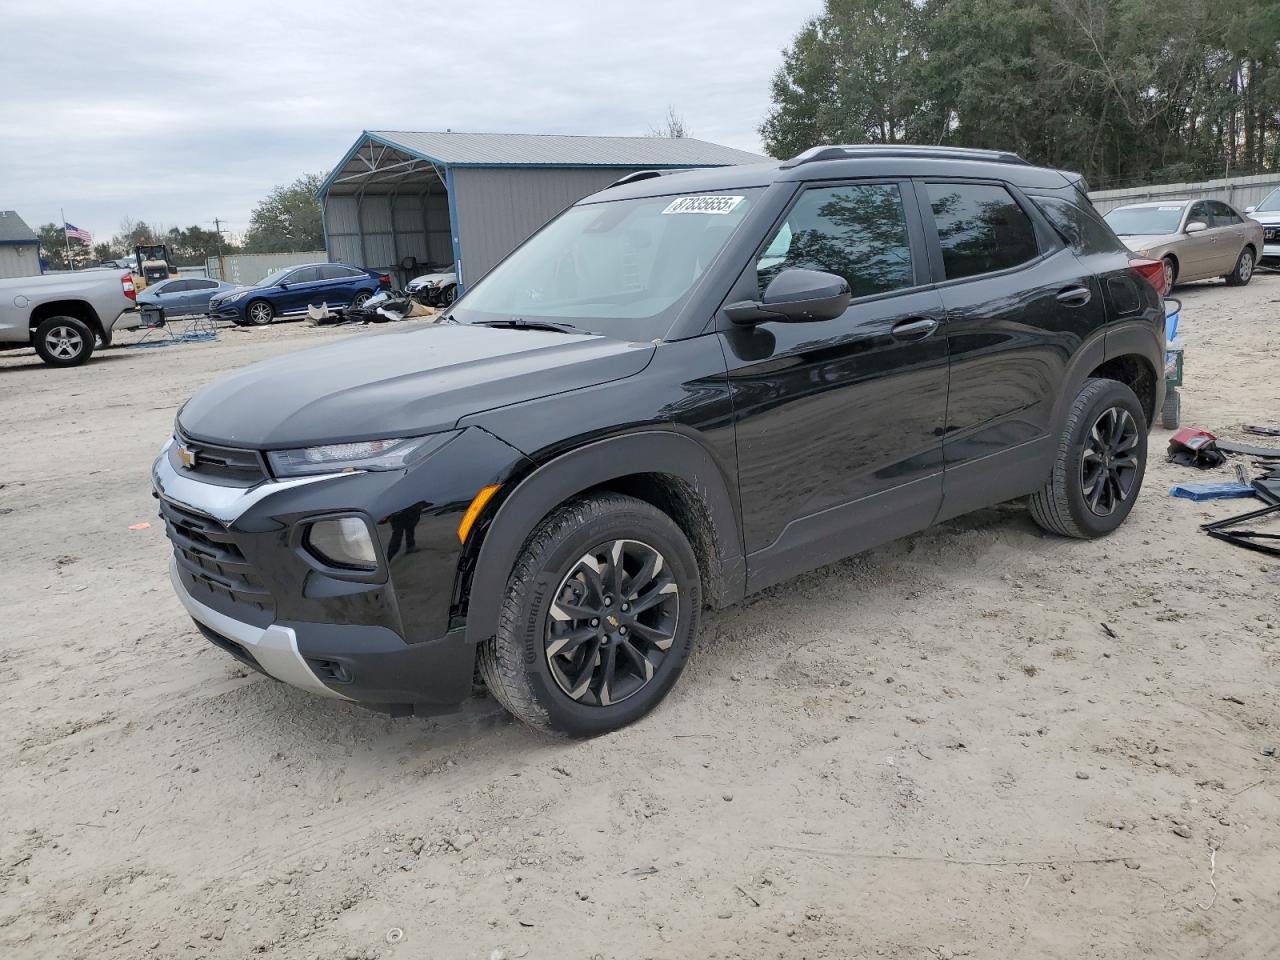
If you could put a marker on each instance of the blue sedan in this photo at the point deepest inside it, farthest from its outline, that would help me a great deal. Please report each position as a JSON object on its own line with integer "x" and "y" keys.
{"x": 183, "y": 295}
{"x": 290, "y": 291}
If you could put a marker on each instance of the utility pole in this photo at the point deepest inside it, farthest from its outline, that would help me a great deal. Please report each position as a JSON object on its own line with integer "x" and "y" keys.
{"x": 222, "y": 263}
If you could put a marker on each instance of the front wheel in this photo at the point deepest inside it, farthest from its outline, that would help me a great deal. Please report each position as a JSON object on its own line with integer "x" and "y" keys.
{"x": 449, "y": 295}
{"x": 599, "y": 617}
{"x": 259, "y": 313}
{"x": 1102, "y": 458}
{"x": 1243, "y": 271}
{"x": 1170, "y": 273}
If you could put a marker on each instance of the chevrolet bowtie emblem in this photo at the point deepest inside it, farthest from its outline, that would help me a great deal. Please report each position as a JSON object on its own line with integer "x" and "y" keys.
{"x": 186, "y": 456}
{"x": 613, "y": 621}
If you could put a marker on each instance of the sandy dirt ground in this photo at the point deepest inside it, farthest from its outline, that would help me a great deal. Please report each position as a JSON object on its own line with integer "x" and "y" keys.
{"x": 933, "y": 750}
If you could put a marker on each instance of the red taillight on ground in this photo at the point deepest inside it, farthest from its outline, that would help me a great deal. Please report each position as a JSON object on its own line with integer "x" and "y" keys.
{"x": 1151, "y": 271}
{"x": 130, "y": 290}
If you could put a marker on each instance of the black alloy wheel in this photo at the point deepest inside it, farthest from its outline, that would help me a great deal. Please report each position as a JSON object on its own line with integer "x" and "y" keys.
{"x": 1109, "y": 467}
{"x": 613, "y": 621}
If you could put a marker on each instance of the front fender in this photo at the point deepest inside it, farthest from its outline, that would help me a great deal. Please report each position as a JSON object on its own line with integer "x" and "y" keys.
{"x": 657, "y": 451}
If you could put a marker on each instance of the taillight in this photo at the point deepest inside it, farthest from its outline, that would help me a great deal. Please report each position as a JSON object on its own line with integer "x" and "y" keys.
{"x": 1151, "y": 271}
{"x": 130, "y": 290}
{"x": 384, "y": 278}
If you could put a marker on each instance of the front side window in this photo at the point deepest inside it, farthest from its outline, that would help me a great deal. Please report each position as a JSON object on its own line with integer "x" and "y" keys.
{"x": 622, "y": 268}
{"x": 981, "y": 229}
{"x": 858, "y": 232}
{"x": 305, "y": 275}
{"x": 1200, "y": 214}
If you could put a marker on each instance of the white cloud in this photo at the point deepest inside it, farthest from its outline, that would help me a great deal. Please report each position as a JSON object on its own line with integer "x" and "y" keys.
{"x": 189, "y": 111}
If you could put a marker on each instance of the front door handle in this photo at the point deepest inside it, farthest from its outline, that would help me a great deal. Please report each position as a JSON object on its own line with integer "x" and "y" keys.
{"x": 1074, "y": 296}
{"x": 916, "y": 329}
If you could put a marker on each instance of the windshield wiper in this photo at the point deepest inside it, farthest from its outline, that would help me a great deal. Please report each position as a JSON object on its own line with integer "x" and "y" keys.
{"x": 520, "y": 323}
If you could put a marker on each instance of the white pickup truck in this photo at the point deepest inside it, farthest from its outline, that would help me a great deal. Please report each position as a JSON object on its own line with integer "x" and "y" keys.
{"x": 63, "y": 315}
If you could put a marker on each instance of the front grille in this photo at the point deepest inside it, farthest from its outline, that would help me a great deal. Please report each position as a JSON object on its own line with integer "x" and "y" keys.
{"x": 226, "y": 466}
{"x": 213, "y": 568}
{"x": 1271, "y": 234}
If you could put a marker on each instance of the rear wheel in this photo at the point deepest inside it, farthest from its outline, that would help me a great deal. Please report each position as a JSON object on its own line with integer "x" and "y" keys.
{"x": 259, "y": 313}
{"x": 63, "y": 341}
{"x": 599, "y": 618}
{"x": 1243, "y": 271}
{"x": 1101, "y": 460}
{"x": 360, "y": 300}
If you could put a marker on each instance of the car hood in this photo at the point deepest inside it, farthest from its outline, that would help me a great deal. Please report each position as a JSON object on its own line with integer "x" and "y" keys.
{"x": 1269, "y": 217}
{"x": 400, "y": 384}
{"x": 1145, "y": 241}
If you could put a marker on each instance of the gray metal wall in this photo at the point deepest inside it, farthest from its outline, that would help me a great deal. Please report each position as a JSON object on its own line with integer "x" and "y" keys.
{"x": 1240, "y": 192}
{"x": 379, "y": 230}
{"x": 249, "y": 268}
{"x": 19, "y": 260}
{"x": 500, "y": 208}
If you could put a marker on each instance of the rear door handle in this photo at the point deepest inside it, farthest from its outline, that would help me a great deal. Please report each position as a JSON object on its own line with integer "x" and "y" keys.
{"x": 916, "y": 329}
{"x": 1074, "y": 296}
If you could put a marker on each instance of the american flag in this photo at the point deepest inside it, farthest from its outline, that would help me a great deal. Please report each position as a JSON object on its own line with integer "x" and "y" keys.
{"x": 75, "y": 233}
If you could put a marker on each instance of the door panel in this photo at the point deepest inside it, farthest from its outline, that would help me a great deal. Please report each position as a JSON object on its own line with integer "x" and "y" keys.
{"x": 1198, "y": 252}
{"x": 1011, "y": 332}
{"x": 839, "y": 422}
{"x": 303, "y": 285}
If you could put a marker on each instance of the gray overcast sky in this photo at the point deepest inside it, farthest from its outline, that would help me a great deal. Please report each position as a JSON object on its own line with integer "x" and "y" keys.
{"x": 179, "y": 112}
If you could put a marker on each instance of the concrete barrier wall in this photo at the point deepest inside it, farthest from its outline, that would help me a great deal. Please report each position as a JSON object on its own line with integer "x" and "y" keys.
{"x": 1240, "y": 192}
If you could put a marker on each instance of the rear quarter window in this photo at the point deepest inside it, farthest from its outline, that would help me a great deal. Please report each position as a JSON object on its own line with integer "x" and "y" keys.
{"x": 1082, "y": 228}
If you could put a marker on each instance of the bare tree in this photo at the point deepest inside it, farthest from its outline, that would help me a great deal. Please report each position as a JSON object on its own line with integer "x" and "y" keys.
{"x": 673, "y": 127}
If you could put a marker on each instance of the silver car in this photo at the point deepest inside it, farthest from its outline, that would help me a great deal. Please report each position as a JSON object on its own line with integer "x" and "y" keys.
{"x": 1267, "y": 213}
{"x": 1196, "y": 239}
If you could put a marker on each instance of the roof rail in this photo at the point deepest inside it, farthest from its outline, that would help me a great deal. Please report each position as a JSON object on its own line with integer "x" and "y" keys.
{"x": 858, "y": 150}
{"x": 639, "y": 175}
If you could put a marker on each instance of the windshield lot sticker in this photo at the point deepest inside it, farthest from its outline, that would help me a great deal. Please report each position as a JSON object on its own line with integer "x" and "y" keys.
{"x": 716, "y": 203}
{"x": 1178, "y": 207}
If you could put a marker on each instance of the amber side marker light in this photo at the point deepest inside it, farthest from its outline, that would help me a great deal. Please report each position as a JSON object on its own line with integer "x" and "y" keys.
{"x": 473, "y": 511}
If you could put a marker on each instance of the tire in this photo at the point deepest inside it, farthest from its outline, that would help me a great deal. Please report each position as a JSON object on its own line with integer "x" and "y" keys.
{"x": 63, "y": 341}
{"x": 259, "y": 314}
{"x": 448, "y": 295}
{"x": 1171, "y": 412}
{"x": 1068, "y": 504}
{"x": 549, "y": 666}
{"x": 1243, "y": 271}
{"x": 360, "y": 300}
{"x": 1170, "y": 273}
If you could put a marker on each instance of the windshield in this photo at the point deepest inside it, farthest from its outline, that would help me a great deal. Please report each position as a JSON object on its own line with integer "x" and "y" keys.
{"x": 271, "y": 279}
{"x": 1134, "y": 221}
{"x": 1270, "y": 203}
{"x": 621, "y": 268}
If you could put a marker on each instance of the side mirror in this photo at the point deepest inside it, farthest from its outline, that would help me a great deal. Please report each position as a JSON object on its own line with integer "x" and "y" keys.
{"x": 1195, "y": 226}
{"x": 795, "y": 296}
{"x": 1250, "y": 209}
{"x": 284, "y": 286}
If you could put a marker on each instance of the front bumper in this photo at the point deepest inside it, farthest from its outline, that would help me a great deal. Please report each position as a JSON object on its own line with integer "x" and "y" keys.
{"x": 227, "y": 311}
{"x": 1270, "y": 253}
{"x": 390, "y": 640}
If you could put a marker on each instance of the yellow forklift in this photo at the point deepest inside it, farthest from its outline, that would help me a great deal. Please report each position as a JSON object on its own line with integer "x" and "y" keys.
{"x": 152, "y": 264}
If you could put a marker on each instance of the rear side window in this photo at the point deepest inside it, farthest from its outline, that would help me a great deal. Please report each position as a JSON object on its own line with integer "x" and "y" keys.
{"x": 981, "y": 228}
{"x": 858, "y": 232}
{"x": 1081, "y": 226}
{"x": 305, "y": 275}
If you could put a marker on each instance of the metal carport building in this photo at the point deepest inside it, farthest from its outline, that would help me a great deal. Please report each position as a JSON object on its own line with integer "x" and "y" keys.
{"x": 401, "y": 201}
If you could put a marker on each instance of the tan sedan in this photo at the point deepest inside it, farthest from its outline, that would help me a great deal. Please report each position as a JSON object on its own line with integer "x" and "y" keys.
{"x": 1196, "y": 239}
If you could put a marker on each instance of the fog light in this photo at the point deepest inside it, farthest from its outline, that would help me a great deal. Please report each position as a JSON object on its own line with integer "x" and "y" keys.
{"x": 344, "y": 542}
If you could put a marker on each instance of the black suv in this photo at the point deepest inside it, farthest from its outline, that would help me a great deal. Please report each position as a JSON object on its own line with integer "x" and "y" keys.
{"x": 684, "y": 389}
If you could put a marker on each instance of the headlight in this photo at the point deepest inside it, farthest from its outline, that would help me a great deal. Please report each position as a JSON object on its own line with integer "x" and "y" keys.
{"x": 395, "y": 454}
{"x": 343, "y": 542}
{"x": 231, "y": 297}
